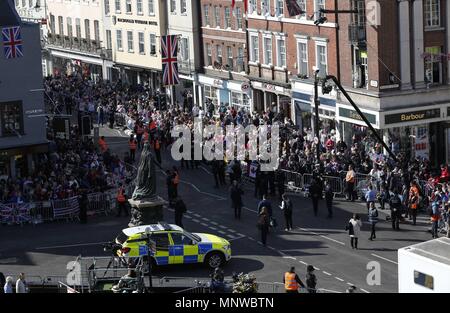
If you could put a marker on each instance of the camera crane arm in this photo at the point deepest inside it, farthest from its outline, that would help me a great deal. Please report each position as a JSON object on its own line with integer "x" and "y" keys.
{"x": 346, "y": 95}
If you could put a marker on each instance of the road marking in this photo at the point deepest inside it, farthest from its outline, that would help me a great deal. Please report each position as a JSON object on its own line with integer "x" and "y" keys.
{"x": 272, "y": 248}
{"x": 203, "y": 168}
{"x": 214, "y": 223}
{"x": 205, "y": 219}
{"x": 315, "y": 267}
{"x": 221, "y": 232}
{"x": 68, "y": 246}
{"x": 350, "y": 284}
{"x": 236, "y": 238}
{"x": 364, "y": 290}
{"x": 326, "y": 273}
{"x": 203, "y": 192}
{"x": 251, "y": 238}
{"x": 212, "y": 227}
{"x": 239, "y": 234}
{"x": 325, "y": 237}
{"x": 303, "y": 262}
{"x": 8, "y": 261}
{"x": 340, "y": 279}
{"x": 198, "y": 215}
{"x": 195, "y": 220}
{"x": 204, "y": 224}
{"x": 245, "y": 208}
{"x": 187, "y": 216}
{"x": 377, "y": 256}
{"x": 171, "y": 210}
{"x": 289, "y": 257}
{"x": 224, "y": 227}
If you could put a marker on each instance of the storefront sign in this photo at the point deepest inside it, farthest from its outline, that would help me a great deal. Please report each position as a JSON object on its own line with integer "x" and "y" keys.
{"x": 343, "y": 112}
{"x": 218, "y": 82}
{"x": 33, "y": 112}
{"x": 245, "y": 87}
{"x": 130, "y": 21}
{"x": 269, "y": 87}
{"x": 412, "y": 116}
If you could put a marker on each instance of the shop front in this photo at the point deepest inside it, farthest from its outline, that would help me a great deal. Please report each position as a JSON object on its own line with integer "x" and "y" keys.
{"x": 19, "y": 162}
{"x": 351, "y": 124}
{"x": 224, "y": 94}
{"x": 271, "y": 97}
{"x": 87, "y": 67}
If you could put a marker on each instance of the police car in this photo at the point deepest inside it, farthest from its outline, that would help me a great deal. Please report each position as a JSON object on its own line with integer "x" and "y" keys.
{"x": 173, "y": 245}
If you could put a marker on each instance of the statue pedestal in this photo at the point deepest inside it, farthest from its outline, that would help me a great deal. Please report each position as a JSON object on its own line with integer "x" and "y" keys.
{"x": 146, "y": 211}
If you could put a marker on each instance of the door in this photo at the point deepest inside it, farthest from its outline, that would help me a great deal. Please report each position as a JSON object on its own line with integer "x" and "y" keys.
{"x": 162, "y": 248}
{"x": 183, "y": 249}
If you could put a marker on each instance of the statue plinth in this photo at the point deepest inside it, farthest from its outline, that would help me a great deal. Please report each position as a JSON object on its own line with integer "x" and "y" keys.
{"x": 146, "y": 211}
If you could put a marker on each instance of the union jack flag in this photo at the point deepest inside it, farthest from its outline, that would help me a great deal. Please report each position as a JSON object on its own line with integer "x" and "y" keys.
{"x": 12, "y": 42}
{"x": 169, "y": 54}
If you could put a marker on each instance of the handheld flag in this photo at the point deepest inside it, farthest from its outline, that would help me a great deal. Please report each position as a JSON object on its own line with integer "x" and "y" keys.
{"x": 12, "y": 42}
{"x": 169, "y": 54}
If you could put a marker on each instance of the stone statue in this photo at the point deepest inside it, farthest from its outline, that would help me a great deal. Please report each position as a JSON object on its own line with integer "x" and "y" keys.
{"x": 146, "y": 176}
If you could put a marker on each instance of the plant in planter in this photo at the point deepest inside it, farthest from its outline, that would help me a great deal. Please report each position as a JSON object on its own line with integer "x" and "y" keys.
{"x": 245, "y": 283}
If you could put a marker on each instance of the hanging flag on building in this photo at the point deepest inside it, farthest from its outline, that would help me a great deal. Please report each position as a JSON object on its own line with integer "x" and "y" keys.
{"x": 169, "y": 54}
{"x": 293, "y": 8}
{"x": 12, "y": 42}
{"x": 233, "y": 3}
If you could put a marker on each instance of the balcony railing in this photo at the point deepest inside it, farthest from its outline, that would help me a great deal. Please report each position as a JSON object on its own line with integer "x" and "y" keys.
{"x": 79, "y": 44}
{"x": 357, "y": 33}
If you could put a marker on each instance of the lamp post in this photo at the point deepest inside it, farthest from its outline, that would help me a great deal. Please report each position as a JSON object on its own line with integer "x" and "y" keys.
{"x": 148, "y": 232}
{"x": 316, "y": 110}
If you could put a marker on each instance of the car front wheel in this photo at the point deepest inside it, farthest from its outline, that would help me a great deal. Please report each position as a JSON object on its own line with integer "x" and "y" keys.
{"x": 214, "y": 260}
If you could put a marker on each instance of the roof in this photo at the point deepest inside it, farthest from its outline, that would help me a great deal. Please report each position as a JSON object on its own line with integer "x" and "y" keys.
{"x": 154, "y": 227}
{"x": 8, "y": 14}
{"x": 437, "y": 250}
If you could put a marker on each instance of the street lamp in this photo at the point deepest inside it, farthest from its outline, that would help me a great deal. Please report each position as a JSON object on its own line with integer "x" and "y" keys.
{"x": 316, "y": 107}
{"x": 148, "y": 232}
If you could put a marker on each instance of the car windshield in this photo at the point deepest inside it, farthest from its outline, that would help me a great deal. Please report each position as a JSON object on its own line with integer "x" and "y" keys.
{"x": 191, "y": 235}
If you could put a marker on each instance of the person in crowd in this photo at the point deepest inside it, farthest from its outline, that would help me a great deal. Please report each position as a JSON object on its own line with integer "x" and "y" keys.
{"x": 157, "y": 149}
{"x": 373, "y": 220}
{"x": 265, "y": 203}
{"x": 8, "y": 286}
{"x": 170, "y": 176}
{"x": 236, "y": 193}
{"x": 21, "y": 284}
{"x": 315, "y": 191}
{"x": 263, "y": 224}
{"x": 121, "y": 201}
{"x": 180, "y": 209}
{"x": 413, "y": 201}
{"x": 132, "y": 144}
{"x": 354, "y": 230}
{"x": 329, "y": 195}
{"x": 395, "y": 205}
{"x": 292, "y": 282}
{"x": 435, "y": 217}
{"x": 370, "y": 196}
{"x": 311, "y": 279}
{"x": 176, "y": 180}
{"x": 350, "y": 183}
{"x": 286, "y": 206}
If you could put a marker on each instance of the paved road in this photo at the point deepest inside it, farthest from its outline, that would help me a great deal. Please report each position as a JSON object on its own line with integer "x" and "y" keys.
{"x": 45, "y": 249}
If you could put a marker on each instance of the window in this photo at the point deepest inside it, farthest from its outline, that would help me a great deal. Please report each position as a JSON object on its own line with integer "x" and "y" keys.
{"x": 424, "y": 280}
{"x": 254, "y": 55}
{"x": 107, "y": 7}
{"x": 61, "y": 25}
{"x": 281, "y": 53}
{"x": 318, "y": 5}
{"x": 206, "y": 14}
{"x": 24, "y": 3}
{"x": 217, "y": 15}
{"x": 265, "y": 7}
{"x": 152, "y": 44}
{"x": 128, "y": 6}
{"x": 87, "y": 29}
{"x": 69, "y": 27}
{"x": 219, "y": 54}
{"x": 97, "y": 31}
{"x": 141, "y": 43}
{"x": 302, "y": 5}
{"x": 239, "y": 18}
{"x": 236, "y": 99}
{"x": 184, "y": 49}
{"x": 139, "y": 7}
{"x": 230, "y": 58}
{"x": 161, "y": 240}
{"x": 173, "y": 6}
{"x": 432, "y": 13}
{"x": 251, "y": 6}
{"x": 108, "y": 39}
{"x": 227, "y": 17}
{"x": 302, "y": 54}
{"x": 183, "y": 6}
{"x": 130, "y": 41}
{"x": 208, "y": 55}
{"x": 433, "y": 65}
{"x": 119, "y": 40}
{"x": 280, "y": 8}
{"x": 117, "y": 5}
{"x": 240, "y": 59}
{"x": 268, "y": 50}
{"x": 78, "y": 27}
{"x": 321, "y": 59}
{"x": 52, "y": 24}
{"x": 11, "y": 118}
{"x": 181, "y": 239}
{"x": 360, "y": 17}
{"x": 211, "y": 94}
{"x": 151, "y": 7}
